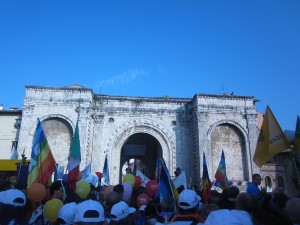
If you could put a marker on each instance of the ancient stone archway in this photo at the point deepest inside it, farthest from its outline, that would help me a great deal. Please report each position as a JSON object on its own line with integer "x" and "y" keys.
{"x": 144, "y": 149}
{"x": 148, "y": 129}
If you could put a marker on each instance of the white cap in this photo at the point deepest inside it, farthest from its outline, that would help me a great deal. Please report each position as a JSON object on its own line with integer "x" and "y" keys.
{"x": 188, "y": 199}
{"x": 89, "y": 211}
{"x": 120, "y": 211}
{"x": 13, "y": 197}
{"x": 67, "y": 212}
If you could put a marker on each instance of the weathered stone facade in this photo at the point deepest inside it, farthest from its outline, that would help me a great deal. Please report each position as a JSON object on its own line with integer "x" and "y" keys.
{"x": 179, "y": 129}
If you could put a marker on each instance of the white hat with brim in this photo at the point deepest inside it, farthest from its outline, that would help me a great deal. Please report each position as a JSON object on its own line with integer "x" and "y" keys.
{"x": 120, "y": 211}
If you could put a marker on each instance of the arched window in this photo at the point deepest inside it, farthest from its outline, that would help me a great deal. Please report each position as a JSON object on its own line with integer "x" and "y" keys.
{"x": 268, "y": 182}
{"x": 280, "y": 182}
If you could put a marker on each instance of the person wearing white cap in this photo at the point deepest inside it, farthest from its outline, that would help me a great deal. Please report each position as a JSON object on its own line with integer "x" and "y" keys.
{"x": 238, "y": 216}
{"x": 121, "y": 213}
{"x": 188, "y": 202}
{"x": 66, "y": 214}
{"x": 89, "y": 212}
{"x": 12, "y": 207}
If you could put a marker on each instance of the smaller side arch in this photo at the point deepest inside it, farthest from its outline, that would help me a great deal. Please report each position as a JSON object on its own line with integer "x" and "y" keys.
{"x": 59, "y": 132}
{"x": 244, "y": 134}
{"x": 52, "y": 116}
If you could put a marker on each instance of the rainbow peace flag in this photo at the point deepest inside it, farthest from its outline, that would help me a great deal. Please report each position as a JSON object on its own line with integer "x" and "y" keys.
{"x": 221, "y": 178}
{"x": 42, "y": 164}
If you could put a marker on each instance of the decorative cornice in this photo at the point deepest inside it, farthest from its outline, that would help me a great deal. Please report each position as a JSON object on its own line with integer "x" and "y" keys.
{"x": 232, "y": 97}
{"x": 141, "y": 99}
{"x": 76, "y": 88}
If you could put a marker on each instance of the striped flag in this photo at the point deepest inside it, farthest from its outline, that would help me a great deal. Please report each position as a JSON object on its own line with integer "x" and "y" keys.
{"x": 74, "y": 159}
{"x": 105, "y": 172}
{"x": 42, "y": 164}
{"x": 206, "y": 183}
{"x": 167, "y": 188}
{"x": 221, "y": 178}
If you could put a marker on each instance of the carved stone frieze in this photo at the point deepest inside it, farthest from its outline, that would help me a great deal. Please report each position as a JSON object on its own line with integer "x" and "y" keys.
{"x": 98, "y": 119}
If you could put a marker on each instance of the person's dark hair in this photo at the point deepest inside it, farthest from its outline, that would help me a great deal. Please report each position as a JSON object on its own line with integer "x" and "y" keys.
{"x": 254, "y": 176}
{"x": 177, "y": 171}
{"x": 168, "y": 204}
{"x": 207, "y": 209}
{"x": 89, "y": 223}
{"x": 112, "y": 198}
{"x": 244, "y": 202}
{"x": 140, "y": 190}
{"x": 128, "y": 220}
{"x": 188, "y": 211}
{"x": 56, "y": 185}
{"x": 180, "y": 189}
{"x": 72, "y": 197}
{"x": 280, "y": 200}
{"x": 10, "y": 212}
{"x": 5, "y": 185}
{"x": 119, "y": 189}
{"x": 152, "y": 209}
{"x": 233, "y": 191}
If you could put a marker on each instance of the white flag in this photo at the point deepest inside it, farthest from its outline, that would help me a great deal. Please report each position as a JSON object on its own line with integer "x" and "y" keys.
{"x": 180, "y": 180}
{"x": 144, "y": 179}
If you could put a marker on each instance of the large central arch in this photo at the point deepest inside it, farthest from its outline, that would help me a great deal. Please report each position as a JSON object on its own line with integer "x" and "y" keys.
{"x": 144, "y": 149}
{"x": 145, "y": 128}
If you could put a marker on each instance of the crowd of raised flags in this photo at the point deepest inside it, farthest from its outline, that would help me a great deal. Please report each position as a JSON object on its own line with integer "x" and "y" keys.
{"x": 271, "y": 141}
{"x": 42, "y": 166}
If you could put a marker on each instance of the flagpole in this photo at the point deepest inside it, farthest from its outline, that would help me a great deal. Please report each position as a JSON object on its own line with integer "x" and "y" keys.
{"x": 294, "y": 163}
{"x": 23, "y": 156}
{"x": 61, "y": 183}
{"x": 249, "y": 143}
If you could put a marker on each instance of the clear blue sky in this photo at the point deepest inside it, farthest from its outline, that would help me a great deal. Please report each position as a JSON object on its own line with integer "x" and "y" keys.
{"x": 155, "y": 48}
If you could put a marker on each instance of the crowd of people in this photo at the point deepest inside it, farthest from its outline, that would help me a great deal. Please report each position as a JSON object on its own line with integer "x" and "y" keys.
{"x": 107, "y": 205}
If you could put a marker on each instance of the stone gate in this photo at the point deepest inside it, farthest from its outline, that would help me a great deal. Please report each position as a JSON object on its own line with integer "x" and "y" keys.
{"x": 121, "y": 127}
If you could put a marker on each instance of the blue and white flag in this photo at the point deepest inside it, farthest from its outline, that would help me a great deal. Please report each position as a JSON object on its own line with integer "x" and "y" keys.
{"x": 105, "y": 172}
{"x": 87, "y": 170}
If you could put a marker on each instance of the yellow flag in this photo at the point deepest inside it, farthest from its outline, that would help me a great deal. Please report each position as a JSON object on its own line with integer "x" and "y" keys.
{"x": 271, "y": 140}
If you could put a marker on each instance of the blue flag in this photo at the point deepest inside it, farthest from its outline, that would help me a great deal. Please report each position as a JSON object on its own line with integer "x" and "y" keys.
{"x": 167, "y": 188}
{"x": 105, "y": 172}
